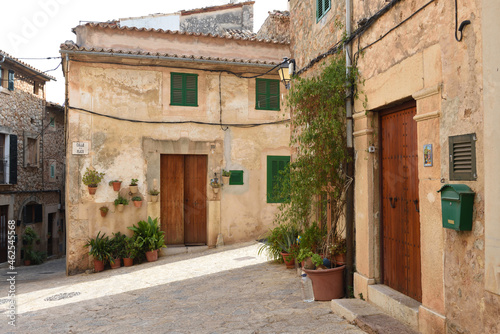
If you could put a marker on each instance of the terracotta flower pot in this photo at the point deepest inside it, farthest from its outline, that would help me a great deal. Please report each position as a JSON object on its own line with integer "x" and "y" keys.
{"x": 327, "y": 284}
{"x": 128, "y": 262}
{"x": 152, "y": 256}
{"x": 98, "y": 265}
{"x": 103, "y": 213}
{"x": 133, "y": 189}
{"x": 137, "y": 204}
{"x": 92, "y": 190}
{"x": 289, "y": 260}
{"x": 120, "y": 207}
{"x": 27, "y": 262}
{"x": 116, "y": 264}
{"x": 117, "y": 186}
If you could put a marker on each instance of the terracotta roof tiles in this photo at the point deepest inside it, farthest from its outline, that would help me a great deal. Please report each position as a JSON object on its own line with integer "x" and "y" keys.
{"x": 25, "y": 65}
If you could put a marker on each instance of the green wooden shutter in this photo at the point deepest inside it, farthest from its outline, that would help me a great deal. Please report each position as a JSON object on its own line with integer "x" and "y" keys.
{"x": 267, "y": 94}
{"x": 463, "y": 157}
{"x": 191, "y": 90}
{"x": 275, "y": 164}
{"x": 13, "y": 159}
{"x": 236, "y": 177}
{"x": 176, "y": 89}
{"x": 260, "y": 90}
{"x": 11, "y": 80}
{"x": 274, "y": 92}
{"x": 184, "y": 89}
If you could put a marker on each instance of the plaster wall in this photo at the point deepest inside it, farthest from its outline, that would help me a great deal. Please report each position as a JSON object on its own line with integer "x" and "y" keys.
{"x": 125, "y": 150}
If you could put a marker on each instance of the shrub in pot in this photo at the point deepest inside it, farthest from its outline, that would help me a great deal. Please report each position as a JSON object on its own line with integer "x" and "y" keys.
{"x": 281, "y": 244}
{"x": 133, "y": 186}
{"x": 225, "y": 176}
{"x": 30, "y": 237}
{"x": 104, "y": 211}
{"x": 120, "y": 203}
{"x": 100, "y": 250}
{"x": 91, "y": 179}
{"x": 154, "y": 195}
{"x": 149, "y": 238}
{"x": 137, "y": 201}
{"x": 116, "y": 184}
{"x": 131, "y": 251}
{"x": 118, "y": 249}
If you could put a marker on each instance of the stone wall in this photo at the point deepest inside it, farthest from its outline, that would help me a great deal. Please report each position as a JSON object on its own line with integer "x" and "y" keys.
{"x": 276, "y": 27}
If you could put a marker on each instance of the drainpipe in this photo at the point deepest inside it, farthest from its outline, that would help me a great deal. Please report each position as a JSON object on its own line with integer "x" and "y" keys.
{"x": 350, "y": 165}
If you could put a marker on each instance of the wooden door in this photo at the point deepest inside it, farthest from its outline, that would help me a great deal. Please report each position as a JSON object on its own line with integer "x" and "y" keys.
{"x": 183, "y": 198}
{"x": 195, "y": 198}
{"x": 4, "y": 209}
{"x": 400, "y": 202}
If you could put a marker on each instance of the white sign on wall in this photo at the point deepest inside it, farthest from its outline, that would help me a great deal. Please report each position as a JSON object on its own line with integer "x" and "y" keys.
{"x": 80, "y": 147}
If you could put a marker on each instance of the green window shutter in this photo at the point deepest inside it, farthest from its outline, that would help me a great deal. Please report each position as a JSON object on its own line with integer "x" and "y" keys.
{"x": 267, "y": 94}
{"x": 463, "y": 157}
{"x": 184, "y": 89}
{"x": 275, "y": 164}
{"x": 322, "y": 6}
{"x": 11, "y": 80}
{"x": 236, "y": 177}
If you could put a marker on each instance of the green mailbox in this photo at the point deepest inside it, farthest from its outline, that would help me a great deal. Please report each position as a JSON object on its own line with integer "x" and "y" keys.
{"x": 457, "y": 202}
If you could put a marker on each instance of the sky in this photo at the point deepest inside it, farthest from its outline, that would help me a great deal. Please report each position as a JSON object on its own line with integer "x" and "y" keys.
{"x": 36, "y": 28}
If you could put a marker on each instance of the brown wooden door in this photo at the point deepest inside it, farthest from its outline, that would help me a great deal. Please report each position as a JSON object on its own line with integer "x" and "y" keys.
{"x": 4, "y": 209}
{"x": 183, "y": 199}
{"x": 400, "y": 201}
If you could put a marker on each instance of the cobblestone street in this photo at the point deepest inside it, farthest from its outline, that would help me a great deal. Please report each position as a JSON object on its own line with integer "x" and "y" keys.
{"x": 228, "y": 290}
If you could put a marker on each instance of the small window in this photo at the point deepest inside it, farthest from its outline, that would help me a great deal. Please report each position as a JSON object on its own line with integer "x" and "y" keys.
{"x": 11, "y": 80}
{"x": 267, "y": 93}
{"x": 52, "y": 122}
{"x": 184, "y": 89}
{"x": 53, "y": 170}
{"x": 236, "y": 177}
{"x": 463, "y": 157}
{"x": 31, "y": 152}
{"x": 322, "y": 7}
{"x": 33, "y": 213}
{"x": 35, "y": 88}
{"x": 275, "y": 164}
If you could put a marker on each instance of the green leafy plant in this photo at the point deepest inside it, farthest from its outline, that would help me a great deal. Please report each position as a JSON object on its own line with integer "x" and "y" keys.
{"x": 100, "y": 247}
{"x": 317, "y": 260}
{"x": 154, "y": 192}
{"x": 113, "y": 181}
{"x": 317, "y": 178}
{"x": 118, "y": 246}
{"x": 92, "y": 178}
{"x": 226, "y": 173}
{"x": 29, "y": 238}
{"x": 121, "y": 200}
{"x": 104, "y": 209}
{"x": 148, "y": 235}
{"x": 280, "y": 239}
{"x": 133, "y": 182}
{"x": 136, "y": 199}
{"x": 304, "y": 254}
{"x": 131, "y": 248}
{"x": 36, "y": 257}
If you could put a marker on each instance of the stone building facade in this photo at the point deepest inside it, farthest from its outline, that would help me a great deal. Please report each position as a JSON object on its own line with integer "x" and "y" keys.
{"x": 429, "y": 89}
{"x": 32, "y": 158}
{"x": 170, "y": 108}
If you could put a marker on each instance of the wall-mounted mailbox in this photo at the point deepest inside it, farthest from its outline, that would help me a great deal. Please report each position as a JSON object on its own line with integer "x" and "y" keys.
{"x": 457, "y": 202}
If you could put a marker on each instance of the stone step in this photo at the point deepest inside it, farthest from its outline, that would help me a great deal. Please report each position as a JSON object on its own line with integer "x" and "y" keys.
{"x": 174, "y": 250}
{"x": 369, "y": 318}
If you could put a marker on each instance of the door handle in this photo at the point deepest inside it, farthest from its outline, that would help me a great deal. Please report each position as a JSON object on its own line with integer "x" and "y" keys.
{"x": 393, "y": 201}
{"x": 416, "y": 205}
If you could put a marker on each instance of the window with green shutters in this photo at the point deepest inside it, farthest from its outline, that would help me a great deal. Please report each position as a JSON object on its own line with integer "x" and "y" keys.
{"x": 11, "y": 80}
{"x": 184, "y": 89}
{"x": 322, "y": 6}
{"x": 267, "y": 93}
{"x": 236, "y": 177}
{"x": 275, "y": 164}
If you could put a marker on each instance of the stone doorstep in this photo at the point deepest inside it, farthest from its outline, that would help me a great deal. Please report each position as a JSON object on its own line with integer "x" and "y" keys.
{"x": 395, "y": 304}
{"x": 369, "y": 318}
{"x": 174, "y": 250}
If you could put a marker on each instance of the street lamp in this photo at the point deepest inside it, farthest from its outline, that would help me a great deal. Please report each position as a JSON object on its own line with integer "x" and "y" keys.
{"x": 286, "y": 70}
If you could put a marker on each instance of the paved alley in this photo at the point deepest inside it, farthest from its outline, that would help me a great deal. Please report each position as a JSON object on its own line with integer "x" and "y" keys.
{"x": 228, "y": 290}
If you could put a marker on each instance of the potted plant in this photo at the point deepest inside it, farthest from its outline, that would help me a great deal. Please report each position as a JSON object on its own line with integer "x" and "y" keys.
{"x": 29, "y": 238}
{"x": 117, "y": 249}
{"x": 281, "y": 244}
{"x": 100, "y": 250}
{"x": 327, "y": 280}
{"x": 133, "y": 186}
{"x": 104, "y": 211}
{"x": 149, "y": 238}
{"x": 137, "y": 201}
{"x": 131, "y": 251}
{"x": 225, "y": 176}
{"x": 116, "y": 184}
{"x": 120, "y": 203}
{"x": 154, "y": 195}
{"x": 91, "y": 179}
{"x": 214, "y": 183}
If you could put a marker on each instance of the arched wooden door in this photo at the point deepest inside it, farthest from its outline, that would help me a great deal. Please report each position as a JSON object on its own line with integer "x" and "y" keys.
{"x": 400, "y": 201}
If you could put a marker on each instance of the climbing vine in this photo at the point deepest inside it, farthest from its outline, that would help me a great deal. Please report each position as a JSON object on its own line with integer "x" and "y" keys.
{"x": 317, "y": 172}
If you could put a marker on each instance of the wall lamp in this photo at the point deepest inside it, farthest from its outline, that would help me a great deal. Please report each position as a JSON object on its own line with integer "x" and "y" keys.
{"x": 286, "y": 70}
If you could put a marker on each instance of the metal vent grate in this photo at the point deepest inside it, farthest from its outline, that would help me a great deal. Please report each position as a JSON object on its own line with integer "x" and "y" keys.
{"x": 463, "y": 157}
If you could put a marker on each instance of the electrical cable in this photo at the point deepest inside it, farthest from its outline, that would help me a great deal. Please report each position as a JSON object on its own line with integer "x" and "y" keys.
{"x": 220, "y": 103}
{"x": 239, "y": 125}
{"x": 462, "y": 25}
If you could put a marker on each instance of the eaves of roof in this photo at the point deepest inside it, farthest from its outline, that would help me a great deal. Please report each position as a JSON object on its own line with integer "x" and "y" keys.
{"x": 251, "y": 38}
{"x": 28, "y": 67}
{"x": 73, "y": 48}
{"x": 215, "y": 8}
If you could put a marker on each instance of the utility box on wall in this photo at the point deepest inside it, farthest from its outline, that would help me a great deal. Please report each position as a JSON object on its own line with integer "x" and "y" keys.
{"x": 457, "y": 203}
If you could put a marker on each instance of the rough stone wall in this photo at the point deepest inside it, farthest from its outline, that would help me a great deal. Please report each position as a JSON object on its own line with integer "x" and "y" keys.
{"x": 216, "y": 22}
{"x": 276, "y": 27}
